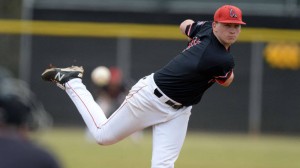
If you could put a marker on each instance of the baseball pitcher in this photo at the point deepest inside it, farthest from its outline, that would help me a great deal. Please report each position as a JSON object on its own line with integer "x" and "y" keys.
{"x": 163, "y": 99}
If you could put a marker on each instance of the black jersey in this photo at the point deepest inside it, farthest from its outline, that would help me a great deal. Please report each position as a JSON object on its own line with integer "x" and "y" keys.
{"x": 186, "y": 77}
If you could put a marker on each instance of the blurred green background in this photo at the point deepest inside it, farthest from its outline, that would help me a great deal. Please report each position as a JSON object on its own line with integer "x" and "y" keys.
{"x": 200, "y": 150}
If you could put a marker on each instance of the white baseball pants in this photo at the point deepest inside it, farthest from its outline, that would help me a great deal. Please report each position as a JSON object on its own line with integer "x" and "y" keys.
{"x": 140, "y": 109}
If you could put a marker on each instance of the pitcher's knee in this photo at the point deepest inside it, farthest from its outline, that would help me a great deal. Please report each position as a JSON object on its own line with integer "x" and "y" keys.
{"x": 162, "y": 164}
{"x": 106, "y": 140}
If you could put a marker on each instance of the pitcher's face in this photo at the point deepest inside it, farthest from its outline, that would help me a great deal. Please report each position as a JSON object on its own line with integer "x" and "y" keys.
{"x": 227, "y": 33}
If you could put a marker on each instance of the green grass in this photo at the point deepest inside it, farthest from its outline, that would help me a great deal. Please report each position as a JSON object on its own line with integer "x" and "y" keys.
{"x": 200, "y": 150}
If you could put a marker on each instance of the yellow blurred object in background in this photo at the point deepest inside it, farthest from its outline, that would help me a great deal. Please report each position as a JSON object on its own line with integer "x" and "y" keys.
{"x": 283, "y": 55}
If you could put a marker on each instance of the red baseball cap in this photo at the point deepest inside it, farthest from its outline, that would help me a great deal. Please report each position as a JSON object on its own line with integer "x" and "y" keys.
{"x": 229, "y": 14}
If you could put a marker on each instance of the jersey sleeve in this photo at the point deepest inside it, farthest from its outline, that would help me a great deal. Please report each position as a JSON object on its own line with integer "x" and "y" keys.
{"x": 193, "y": 29}
{"x": 223, "y": 78}
{"x": 223, "y": 72}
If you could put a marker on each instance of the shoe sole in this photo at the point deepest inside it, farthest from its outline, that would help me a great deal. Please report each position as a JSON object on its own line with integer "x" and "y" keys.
{"x": 69, "y": 69}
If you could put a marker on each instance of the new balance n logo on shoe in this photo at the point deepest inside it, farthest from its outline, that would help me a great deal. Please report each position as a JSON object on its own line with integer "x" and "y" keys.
{"x": 59, "y": 76}
{"x": 62, "y": 75}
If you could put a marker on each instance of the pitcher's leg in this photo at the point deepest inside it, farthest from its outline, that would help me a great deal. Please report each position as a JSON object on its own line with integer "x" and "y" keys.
{"x": 90, "y": 111}
{"x": 168, "y": 139}
{"x": 134, "y": 114}
{"x": 106, "y": 131}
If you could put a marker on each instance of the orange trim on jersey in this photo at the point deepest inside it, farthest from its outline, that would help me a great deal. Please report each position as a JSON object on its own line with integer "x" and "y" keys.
{"x": 225, "y": 76}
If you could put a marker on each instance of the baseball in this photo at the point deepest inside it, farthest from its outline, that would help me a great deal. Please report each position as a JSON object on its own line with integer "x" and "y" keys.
{"x": 100, "y": 76}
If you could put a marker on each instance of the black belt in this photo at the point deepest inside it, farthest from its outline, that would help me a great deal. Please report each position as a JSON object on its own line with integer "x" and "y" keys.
{"x": 169, "y": 102}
